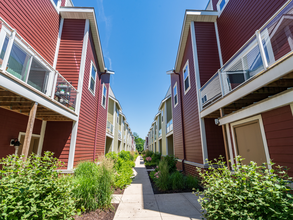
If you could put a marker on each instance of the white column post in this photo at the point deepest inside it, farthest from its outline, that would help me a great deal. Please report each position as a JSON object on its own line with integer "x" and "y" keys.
{"x": 42, "y": 136}
{"x": 261, "y": 49}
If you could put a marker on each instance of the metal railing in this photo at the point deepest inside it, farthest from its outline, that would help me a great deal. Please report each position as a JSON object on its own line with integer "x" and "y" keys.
{"x": 110, "y": 128}
{"x": 169, "y": 126}
{"x": 22, "y": 61}
{"x": 119, "y": 134}
{"x": 160, "y": 133}
{"x": 271, "y": 43}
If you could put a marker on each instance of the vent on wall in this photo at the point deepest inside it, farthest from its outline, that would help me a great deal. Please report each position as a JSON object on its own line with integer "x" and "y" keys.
{"x": 204, "y": 99}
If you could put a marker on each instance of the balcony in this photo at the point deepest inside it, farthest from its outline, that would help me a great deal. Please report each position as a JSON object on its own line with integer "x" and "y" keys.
{"x": 110, "y": 128}
{"x": 169, "y": 126}
{"x": 25, "y": 66}
{"x": 270, "y": 45}
{"x": 160, "y": 133}
{"x": 119, "y": 135}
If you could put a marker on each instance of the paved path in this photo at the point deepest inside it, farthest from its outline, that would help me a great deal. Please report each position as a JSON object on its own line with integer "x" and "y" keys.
{"x": 139, "y": 202}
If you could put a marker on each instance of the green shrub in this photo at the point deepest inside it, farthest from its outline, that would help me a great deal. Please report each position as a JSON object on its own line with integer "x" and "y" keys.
{"x": 125, "y": 155}
{"x": 177, "y": 181}
{"x": 172, "y": 161}
{"x": 113, "y": 156}
{"x": 123, "y": 176}
{"x": 191, "y": 182}
{"x": 250, "y": 192}
{"x": 162, "y": 176}
{"x": 93, "y": 184}
{"x": 33, "y": 190}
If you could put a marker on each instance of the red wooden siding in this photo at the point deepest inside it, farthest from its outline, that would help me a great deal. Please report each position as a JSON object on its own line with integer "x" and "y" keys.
{"x": 37, "y": 21}
{"x": 102, "y": 117}
{"x": 11, "y": 123}
{"x": 215, "y": 2}
{"x": 57, "y": 139}
{"x": 239, "y": 21}
{"x": 207, "y": 50}
{"x": 63, "y": 2}
{"x": 190, "y": 109}
{"x": 177, "y": 125}
{"x": 88, "y": 110}
{"x": 70, "y": 50}
{"x": 215, "y": 141}
{"x": 278, "y": 126}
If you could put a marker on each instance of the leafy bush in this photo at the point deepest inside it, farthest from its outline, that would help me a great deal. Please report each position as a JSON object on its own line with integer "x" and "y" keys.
{"x": 31, "y": 189}
{"x": 113, "y": 156}
{"x": 177, "y": 181}
{"x": 191, "y": 182}
{"x": 125, "y": 155}
{"x": 250, "y": 192}
{"x": 93, "y": 184}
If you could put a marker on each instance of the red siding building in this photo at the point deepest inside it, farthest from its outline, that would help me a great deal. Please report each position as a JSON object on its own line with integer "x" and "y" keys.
{"x": 61, "y": 73}
{"x": 234, "y": 83}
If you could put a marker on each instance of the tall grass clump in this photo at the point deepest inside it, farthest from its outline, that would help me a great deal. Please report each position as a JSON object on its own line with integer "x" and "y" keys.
{"x": 32, "y": 189}
{"x": 93, "y": 184}
{"x": 162, "y": 176}
{"x": 177, "y": 181}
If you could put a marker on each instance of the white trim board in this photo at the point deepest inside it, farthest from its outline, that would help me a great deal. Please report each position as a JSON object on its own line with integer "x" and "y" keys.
{"x": 259, "y": 81}
{"x": 291, "y": 105}
{"x": 262, "y": 129}
{"x": 278, "y": 101}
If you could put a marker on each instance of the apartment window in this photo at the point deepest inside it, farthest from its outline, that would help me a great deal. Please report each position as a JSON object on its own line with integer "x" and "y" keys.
{"x": 92, "y": 80}
{"x": 3, "y": 50}
{"x": 104, "y": 95}
{"x": 162, "y": 117}
{"x": 186, "y": 78}
{"x": 175, "y": 95}
{"x": 221, "y": 5}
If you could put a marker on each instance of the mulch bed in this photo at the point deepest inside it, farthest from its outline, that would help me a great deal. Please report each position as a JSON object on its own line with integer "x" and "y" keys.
{"x": 99, "y": 214}
{"x": 158, "y": 191}
{"x": 118, "y": 191}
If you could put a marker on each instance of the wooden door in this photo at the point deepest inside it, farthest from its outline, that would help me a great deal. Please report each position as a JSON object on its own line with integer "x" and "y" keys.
{"x": 249, "y": 142}
{"x": 33, "y": 145}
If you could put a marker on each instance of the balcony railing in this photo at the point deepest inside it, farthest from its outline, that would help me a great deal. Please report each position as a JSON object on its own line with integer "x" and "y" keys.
{"x": 160, "y": 133}
{"x": 119, "y": 134}
{"x": 267, "y": 46}
{"x": 22, "y": 62}
{"x": 110, "y": 128}
{"x": 169, "y": 126}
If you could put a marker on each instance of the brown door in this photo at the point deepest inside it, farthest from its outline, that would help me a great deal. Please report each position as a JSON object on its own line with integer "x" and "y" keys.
{"x": 33, "y": 145}
{"x": 249, "y": 142}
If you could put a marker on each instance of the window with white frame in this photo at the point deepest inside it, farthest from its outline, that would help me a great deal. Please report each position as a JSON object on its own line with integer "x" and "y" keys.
{"x": 162, "y": 116}
{"x": 104, "y": 95}
{"x": 175, "y": 95}
{"x": 186, "y": 77}
{"x": 23, "y": 65}
{"x": 221, "y": 5}
{"x": 92, "y": 80}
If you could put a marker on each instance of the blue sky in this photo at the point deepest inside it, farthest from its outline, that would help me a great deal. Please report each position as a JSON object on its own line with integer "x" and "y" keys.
{"x": 140, "y": 39}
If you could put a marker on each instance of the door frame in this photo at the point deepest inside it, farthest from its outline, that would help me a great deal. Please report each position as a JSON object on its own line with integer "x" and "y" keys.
{"x": 263, "y": 134}
{"x": 33, "y": 135}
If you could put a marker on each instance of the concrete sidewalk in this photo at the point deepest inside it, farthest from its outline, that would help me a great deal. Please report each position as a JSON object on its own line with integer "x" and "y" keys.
{"x": 139, "y": 202}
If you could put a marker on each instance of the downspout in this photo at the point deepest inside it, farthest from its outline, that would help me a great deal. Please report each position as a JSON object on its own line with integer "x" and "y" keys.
{"x": 182, "y": 122}
{"x": 95, "y": 142}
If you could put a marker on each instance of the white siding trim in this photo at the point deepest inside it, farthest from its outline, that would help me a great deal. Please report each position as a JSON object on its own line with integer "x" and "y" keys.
{"x": 227, "y": 126}
{"x": 58, "y": 43}
{"x": 291, "y": 105}
{"x": 218, "y": 43}
{"x": 78, "y": 102}
{"x": 197, "y": 83}
{"x": 42, "y": 136}
{"x": 273, "y": 103}
{"x": 263, "y": 134}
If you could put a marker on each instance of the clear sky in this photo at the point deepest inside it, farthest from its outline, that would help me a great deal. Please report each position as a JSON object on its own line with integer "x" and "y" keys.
{"x": 140, "y": 40}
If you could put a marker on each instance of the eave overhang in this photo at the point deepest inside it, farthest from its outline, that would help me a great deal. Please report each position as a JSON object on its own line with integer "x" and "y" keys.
{"x": 190, "y": 16}
{"x": 163, "y": 101}
{"x": 87, "y": 13}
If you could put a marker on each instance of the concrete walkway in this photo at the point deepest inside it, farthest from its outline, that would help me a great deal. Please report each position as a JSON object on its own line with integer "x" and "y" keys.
{"x": 139, "y": 202}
